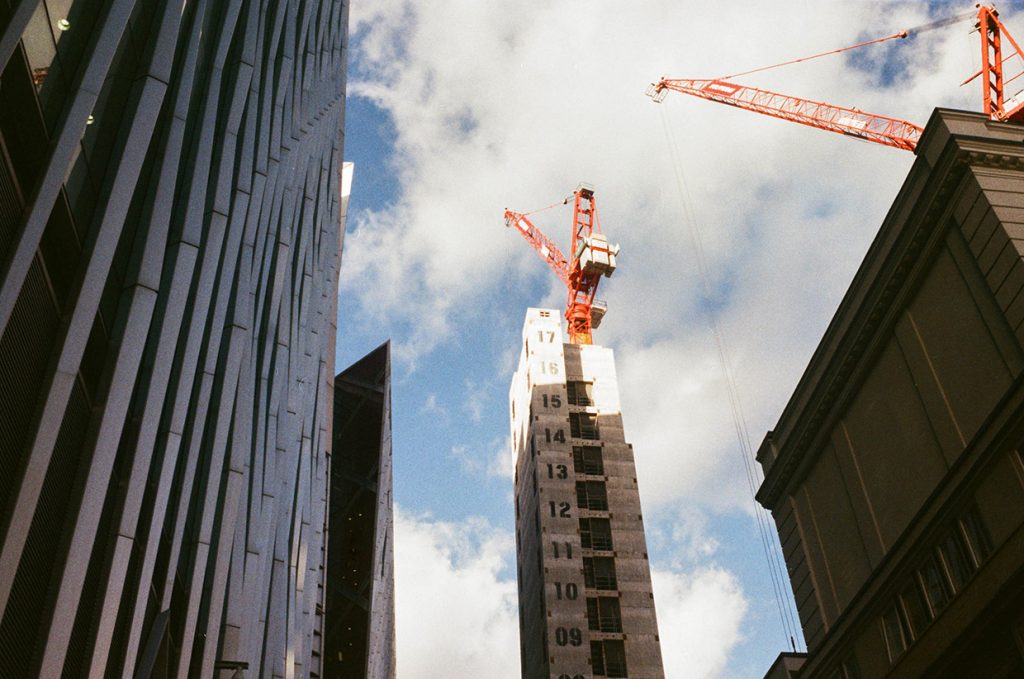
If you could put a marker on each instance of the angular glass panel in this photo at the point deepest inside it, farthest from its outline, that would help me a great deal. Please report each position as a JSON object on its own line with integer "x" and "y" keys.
{"x": 39, "y": 45}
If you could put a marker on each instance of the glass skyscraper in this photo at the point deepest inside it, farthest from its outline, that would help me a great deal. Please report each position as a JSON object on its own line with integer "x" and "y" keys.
{"x": 170, "y": 226}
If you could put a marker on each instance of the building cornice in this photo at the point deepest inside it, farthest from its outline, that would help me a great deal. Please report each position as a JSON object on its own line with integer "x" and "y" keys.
{"x": 910, "y": 234}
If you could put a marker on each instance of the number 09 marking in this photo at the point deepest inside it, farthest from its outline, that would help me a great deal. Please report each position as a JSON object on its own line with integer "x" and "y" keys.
{"x": 571, "y": 636}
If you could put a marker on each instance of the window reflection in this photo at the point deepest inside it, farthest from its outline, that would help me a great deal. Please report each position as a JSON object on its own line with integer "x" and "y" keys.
{"x": 39, "y": 45}
{"x": 55, "y": 40}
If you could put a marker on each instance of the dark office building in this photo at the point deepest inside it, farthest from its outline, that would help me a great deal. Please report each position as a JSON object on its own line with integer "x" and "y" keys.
{"x": 359, "y": 612}
{"x": 170, "y": 205}
{"x": 895, "y": 474}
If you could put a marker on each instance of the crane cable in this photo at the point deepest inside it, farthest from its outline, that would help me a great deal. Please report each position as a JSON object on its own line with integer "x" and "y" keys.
{"x": 564, "y": 201}
{"x": 901, "y": 34}
{"x": 775, "y": 568}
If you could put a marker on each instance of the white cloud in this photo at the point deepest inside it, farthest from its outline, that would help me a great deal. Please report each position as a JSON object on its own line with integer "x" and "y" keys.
{"x": 476, "y": 400}
{"x": 682, "y": 533}
{"x": 700, "y": 618}
{"x": 503, "y": 459}
{"x": 469, "y": 462}
{"x": 457, "y": 609}
{"x": 495, "y": 460}
{"x": 500, "y": 104}
{"x": 433, "y": 407}
{"x": 456, "y": 613}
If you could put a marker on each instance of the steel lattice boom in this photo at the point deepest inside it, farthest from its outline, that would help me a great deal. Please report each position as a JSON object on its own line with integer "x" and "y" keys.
{"x": 541, "y": 243}
{"x": 849, "y": 121}
{"x": 854, "y": 122}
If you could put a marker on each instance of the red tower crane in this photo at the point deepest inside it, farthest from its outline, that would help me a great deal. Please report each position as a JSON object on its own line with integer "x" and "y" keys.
{"x": 592, "y": 258}
{"x": 851, "y": 121}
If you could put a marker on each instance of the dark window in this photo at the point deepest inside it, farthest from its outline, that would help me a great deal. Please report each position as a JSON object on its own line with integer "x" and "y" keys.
{"x": 915, "y": 607}
{"x": 587, "y": 460}
{"x": 603, "y": 615}
{"x": 580, "y": 393}
{"x": 596, "y": 534}
{"x": 935, "y": 586}
{"x": 599, "y": 573}
{"x": 608, "y": 658}
{"x": 583, "y": 426}
{"x": 592, "y": 495}
{"x": 597, "y": 658}
{"x": 848, "y": 669}
{"x": 945, "y": 571}
{"x": 958, "y": 564}
{"x": 895, "y": 632}
{"x": 977, "y": 537}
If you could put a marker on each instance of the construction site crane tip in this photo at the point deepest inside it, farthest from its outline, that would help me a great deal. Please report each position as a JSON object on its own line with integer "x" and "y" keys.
{"x": 852, "y": 121}
{"x": 592, "y": 258}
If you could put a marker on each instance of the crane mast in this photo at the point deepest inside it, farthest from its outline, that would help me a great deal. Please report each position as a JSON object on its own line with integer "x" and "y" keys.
{"x": 993, "y": 82}
{"x": 592, "y": 258}
{"x": 854, "y": 122}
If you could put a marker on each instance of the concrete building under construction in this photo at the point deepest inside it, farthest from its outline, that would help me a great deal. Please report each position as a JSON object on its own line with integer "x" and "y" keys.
{"x": 586, "y": 607}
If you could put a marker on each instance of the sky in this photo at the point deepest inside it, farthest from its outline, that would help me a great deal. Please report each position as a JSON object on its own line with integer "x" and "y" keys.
{"x": 458, "y": 109}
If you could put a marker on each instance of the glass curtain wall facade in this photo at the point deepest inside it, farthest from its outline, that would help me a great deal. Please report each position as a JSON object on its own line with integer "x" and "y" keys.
{"x": 170, "y": 208}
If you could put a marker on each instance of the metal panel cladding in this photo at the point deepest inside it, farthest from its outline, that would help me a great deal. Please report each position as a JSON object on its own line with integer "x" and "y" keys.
{"x": 170, "y": 218}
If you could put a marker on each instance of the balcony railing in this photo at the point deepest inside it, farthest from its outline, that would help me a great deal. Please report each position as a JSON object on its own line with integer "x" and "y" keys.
{"x": 615, "y": 668}
{"x": 606, "y": 624}
{"x": 599, "y": 542}
{"x": 603, "y": 582}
